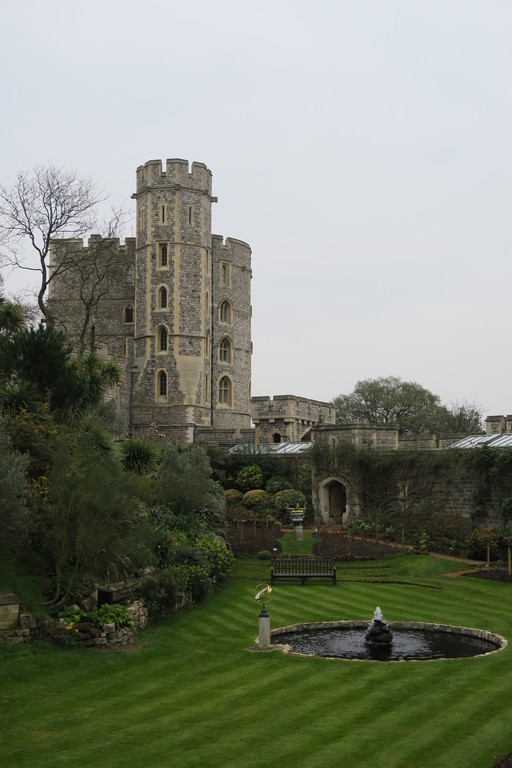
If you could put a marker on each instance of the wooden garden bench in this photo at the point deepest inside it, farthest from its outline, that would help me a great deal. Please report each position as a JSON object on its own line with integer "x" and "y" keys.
{"x": 302, "y": 568}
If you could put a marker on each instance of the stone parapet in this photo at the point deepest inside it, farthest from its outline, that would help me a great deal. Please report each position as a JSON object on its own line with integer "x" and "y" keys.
{"x": 288, "y": 418}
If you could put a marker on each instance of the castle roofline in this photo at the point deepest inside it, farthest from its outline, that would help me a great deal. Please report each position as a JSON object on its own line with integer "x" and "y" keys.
{"x": 225, "y": 243}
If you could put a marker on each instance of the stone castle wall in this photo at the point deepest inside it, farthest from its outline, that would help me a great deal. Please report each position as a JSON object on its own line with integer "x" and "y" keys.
{"x": 287, "y": 418}
{"x": 497, "y": 425}
{"x": 173, "y": 309}
{"x": 453, "y": 483}
{"x": 231, "y": 332}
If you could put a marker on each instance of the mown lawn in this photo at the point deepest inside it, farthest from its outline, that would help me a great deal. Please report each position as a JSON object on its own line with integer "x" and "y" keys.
{"x": 193, "y": 695}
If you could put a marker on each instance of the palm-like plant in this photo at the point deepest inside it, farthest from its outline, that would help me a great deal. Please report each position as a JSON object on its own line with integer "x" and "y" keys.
{"x": 138, "y": 456}
{"x": 11, "y": 317}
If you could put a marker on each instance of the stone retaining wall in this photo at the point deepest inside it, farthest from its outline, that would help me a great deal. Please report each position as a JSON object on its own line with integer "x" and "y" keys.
{"x": 85, "y": 636}
{"x": 27, "y": 628}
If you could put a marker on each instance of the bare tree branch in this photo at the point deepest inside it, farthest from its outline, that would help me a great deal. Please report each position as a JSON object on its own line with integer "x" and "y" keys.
{"x": 49, "y": 204}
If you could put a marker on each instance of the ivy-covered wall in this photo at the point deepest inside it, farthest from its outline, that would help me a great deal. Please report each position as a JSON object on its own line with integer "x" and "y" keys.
{"x": 411, "y": 489}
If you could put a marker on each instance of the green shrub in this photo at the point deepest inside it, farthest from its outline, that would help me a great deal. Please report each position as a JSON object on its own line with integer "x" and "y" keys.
{"x": 249, "y": 478}
{"x": 195, "y": 578}
{"x": 233, "y": 497}
{"x": 216, "y": 554}
{"x": 277, "y": 483}
{"x": 138, "y": 456}
{"x": 110, "y": 613}
{"x": 71, "y": 614}
{"x": 288, "y": 498}
{"x": 256, "y": 498}
{"x": 160, "y": 591}
{"x": 265, "y": 554}
{"x": 480, "y": 538}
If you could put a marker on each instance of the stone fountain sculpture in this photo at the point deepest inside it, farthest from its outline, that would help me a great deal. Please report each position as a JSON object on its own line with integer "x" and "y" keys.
{"x": 378, "y": 632}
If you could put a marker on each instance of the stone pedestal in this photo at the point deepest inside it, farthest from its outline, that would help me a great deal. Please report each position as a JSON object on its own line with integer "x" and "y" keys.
{"x": 264, "y": 629}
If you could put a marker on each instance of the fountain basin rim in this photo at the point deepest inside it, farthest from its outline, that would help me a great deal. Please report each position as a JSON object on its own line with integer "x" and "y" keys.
{"x": 500, "y": 641}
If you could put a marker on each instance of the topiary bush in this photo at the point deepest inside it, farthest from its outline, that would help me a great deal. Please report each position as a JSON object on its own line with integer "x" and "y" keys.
{"x": 233, "y": 497}
{"x": 249, "y": 478}
{"x": 277, "y": 483}
{"x": 288, "y": 498}
{"x": 257, "y": 498}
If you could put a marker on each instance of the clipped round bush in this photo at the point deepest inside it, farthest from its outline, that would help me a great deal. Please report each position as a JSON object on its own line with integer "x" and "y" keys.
{"x": 289, "y": 498}
{"x": 257, "y": 498}
{"x": 264, "y": 554}
{"x": 249, "y": 478}
{"x": 277, "y": 483}
{"x": 233, "y": 497}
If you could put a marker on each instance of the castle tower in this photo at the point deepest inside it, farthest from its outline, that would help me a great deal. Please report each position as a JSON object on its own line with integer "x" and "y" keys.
{"x": 231, "y": 321}
{"x": 187, "y": 303}
{"x": 171, "y": 307}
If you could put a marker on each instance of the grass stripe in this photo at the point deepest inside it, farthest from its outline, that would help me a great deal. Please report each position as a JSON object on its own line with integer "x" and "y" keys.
{"x": 193, "y": 696}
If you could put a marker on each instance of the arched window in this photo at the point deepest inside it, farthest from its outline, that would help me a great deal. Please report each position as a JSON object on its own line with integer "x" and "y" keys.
{"x": 225, "y": 312}
{"x": 128, "y": 313}
{"x": 225, "y": 391}
{"x": 161, "y": 339}
{"x": 225, "y": 350}
{"x": 225, "y": 274}
{"x": 162, "y": 255}
{"x": 207, "y": 345}
{"x": 162, "y": 298}
{"x": 162, "y": 384}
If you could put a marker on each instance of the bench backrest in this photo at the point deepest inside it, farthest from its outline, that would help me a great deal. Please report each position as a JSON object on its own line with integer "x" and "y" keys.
{"x": 304, "y": 566}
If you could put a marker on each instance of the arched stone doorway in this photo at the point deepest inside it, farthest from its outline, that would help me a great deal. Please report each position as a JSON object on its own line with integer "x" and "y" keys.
{"x": 337, "y": 501}
{"x": 333, "y": 501}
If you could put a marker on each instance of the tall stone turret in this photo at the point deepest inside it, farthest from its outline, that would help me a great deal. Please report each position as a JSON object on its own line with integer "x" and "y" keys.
{"x": 171, "y": 306}
{"x": 191, "y": 296}
{"x": 231, "y": 338}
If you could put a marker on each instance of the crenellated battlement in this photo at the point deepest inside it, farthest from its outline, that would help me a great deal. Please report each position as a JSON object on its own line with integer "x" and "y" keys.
{"x": 177, "y": 174}
{"x": 171, "y": 307}
{"x": 75, "y": 243}
{"x": 231, "y": 249}
{"x": 287, "y": 418}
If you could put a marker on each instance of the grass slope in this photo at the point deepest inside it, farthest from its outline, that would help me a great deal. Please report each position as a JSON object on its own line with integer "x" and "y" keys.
{"x": 194, "y": 696}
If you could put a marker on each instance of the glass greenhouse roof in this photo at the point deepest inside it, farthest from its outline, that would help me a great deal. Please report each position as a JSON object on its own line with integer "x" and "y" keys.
{"x": 276, "y": 449}
{"x": 502, "y": 440}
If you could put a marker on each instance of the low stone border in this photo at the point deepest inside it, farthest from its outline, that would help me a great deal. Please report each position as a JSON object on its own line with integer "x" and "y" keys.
{"x": 26, "y": 628}
{"x": 482, "y": 634}
{"x": 84, "y": 636}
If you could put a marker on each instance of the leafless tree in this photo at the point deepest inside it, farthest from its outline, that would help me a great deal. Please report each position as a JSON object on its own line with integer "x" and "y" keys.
{"x": 90, "y": 275}
{"x": 48, "y": 204}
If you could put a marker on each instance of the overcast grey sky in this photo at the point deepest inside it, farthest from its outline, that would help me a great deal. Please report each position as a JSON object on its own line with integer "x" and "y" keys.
{"x": 361, "y": 147}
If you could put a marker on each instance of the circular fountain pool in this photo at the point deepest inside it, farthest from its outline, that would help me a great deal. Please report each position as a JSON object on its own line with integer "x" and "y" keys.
{"x": 411, "y": 641}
